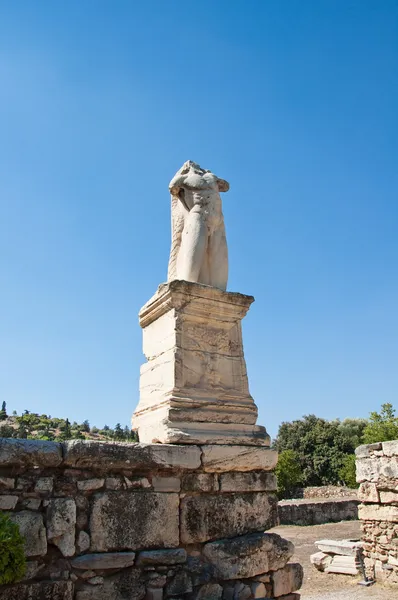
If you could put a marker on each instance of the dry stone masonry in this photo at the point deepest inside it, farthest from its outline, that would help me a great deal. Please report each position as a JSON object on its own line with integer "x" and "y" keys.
{"x": 377, "y": 473}
{"x": 145, "y": 521}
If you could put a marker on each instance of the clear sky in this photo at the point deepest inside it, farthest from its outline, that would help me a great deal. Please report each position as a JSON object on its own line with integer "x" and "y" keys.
{"x": 294, "y": 102}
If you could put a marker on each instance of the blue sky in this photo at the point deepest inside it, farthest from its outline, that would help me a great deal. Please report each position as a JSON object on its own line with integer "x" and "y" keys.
{"x": 293, "y": 102}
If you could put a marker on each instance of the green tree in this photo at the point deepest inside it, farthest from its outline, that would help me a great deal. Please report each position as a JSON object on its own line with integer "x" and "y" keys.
{"x": 347, "y": 472}
{"x": 3, "y": 411}
{"x": 85, "y": 426}
{"x": 352, "y": 431}
{"x": 12, "y": 557}
{"x": 382, "y": 426}
{"x": 66, "y": 431}
{"x": 27, "y": 423}
{"x": 288, "y": 473}
{"x": 118, "y": 433}
{"x": 320, "y": 445}
{"x": 7, "y": 431}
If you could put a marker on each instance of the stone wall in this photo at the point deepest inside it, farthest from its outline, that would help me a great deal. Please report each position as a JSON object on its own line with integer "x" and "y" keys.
{"x": 123, "y": 521}
{"x": 316, "y": 512}
{"x": 377, "y": 472}
{"x": 324, "y": 491}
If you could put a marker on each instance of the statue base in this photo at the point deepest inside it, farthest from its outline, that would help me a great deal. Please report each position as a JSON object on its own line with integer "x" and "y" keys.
{"x": 194, "y": 387}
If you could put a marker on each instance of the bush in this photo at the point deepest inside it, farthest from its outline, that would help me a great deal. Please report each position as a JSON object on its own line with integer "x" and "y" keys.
{"x": 382, "y": 426}
{"x": 347, "y": 472}
{"x": 288, "y": 473}
{"x": 12, "y": 557}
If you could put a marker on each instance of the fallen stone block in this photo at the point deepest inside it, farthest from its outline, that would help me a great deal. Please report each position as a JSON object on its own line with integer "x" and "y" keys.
{"x": 320, "y": 560}
{"x": 343, "y": 547}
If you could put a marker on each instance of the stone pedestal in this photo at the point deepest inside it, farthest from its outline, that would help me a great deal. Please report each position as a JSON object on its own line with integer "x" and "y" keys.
{"x": 194, "y": 387}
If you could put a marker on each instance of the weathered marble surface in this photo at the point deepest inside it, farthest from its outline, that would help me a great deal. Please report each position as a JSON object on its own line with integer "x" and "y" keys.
{"x": 194, "y": 388}
{"x": 198, "y": 247}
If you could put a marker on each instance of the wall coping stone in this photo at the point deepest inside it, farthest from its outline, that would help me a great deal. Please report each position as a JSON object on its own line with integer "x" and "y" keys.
{"x": 113, "y": 456}
{"x": 133, "y": 456}
{"x": 29, "y": 453}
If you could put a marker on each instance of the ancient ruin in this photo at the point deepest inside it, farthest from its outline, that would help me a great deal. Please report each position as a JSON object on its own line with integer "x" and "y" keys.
{"x": 185, "y": 512}
{"x": 377, "y": 473}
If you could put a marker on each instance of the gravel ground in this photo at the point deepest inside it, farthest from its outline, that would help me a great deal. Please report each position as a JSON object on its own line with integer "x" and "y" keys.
{"x": 324, "y": 586}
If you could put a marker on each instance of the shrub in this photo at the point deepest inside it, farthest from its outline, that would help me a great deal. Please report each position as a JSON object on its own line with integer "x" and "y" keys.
{"x": 347, "y": 472}
{"x": 288, "y": 473}
{"x": 12, "y": 557}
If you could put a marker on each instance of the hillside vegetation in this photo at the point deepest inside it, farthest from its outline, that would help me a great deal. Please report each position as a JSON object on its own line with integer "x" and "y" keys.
{"x": 45, "y": 427}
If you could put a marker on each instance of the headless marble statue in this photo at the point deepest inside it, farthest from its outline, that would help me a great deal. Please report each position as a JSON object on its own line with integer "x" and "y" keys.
{"x": 199, "y": 246}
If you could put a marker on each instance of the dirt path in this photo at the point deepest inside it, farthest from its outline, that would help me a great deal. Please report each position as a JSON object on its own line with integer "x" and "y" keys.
{"x": 324, "y": 586}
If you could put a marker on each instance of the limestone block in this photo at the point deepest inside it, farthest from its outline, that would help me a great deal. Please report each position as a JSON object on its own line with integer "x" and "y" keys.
{"x": 367, "y": 449}
{"x": 374, "y": 512}
{"x": 213, "y": 516}
{"x": 219, "y": 459}
{"x": 83, "y": 541}
{"x": 31, "y": 503}
{"x": 345, "y": 565}
{"x": 61, "y": 521}
{"x": 320, "y": 560}
{"x": 390, "y": 448}
{"x": 180, "y": 584}
{"x": 242, "y": 591}
{"x": 127, "y": 520}
{"x": 200, "y": 482}
{"x": 137, "y": 482}
{"x": 29, "y": 453}
{"x": 388, "y": 497}
{"x": 7, "y": 483}
{"x": 375, "y": 468}
{"x": 258, "y": 590}
{"x": 157, "y": 580}
{"x": 89, "y": 485}
{"x": 209, "y": 591}
{"x": 44, "y": 484}
{"x": 200, "y": 570}
{"x": 126, "y": 585}
{"x": 287, "y": 580}
{"x": 342, "y": 547}
{"x": 97, "y": 580}
{"x": 368, "y": 492}
{"x": 162, "y": 557}
{"x": 122, "y": 455}
{"x": 8, "y": 502}
{"x": 44, "y": 590}
{"x": 113, "y": 483}
{"x": 108, "y": 560}
{"x": 166, "y": 484}
{"x": 248, "y": 482}
{"x": 248, "y": 555}
{"x": 32, "y": 529}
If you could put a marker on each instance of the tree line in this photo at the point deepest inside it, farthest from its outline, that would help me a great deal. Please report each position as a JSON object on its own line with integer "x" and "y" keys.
{"x": 316, "y": 452}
